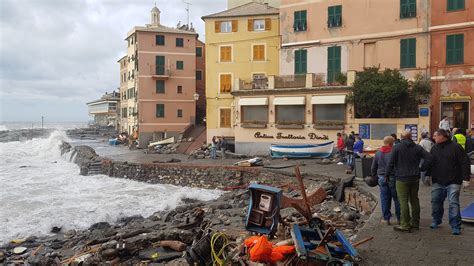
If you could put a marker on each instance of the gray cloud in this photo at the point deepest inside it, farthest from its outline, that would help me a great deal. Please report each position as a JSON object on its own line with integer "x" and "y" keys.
{"x": 56, "y": 55}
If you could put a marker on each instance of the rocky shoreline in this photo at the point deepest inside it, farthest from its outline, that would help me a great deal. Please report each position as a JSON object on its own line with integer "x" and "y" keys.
{"x": 137, "y": 239}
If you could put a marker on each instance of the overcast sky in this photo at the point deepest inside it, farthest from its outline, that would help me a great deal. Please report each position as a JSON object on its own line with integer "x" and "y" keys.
{"x": 56, "y": 55}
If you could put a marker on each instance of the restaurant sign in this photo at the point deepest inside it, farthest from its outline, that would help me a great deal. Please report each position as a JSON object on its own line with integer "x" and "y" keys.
{"x": 280, "y": 135}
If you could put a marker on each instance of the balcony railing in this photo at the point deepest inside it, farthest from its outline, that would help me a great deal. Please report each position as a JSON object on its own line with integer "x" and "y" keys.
{"x": 257, "y": 83}
{"x": 160, "y": 71}
{"x": 320, "y": 80}
{"x": 290, "y": 81}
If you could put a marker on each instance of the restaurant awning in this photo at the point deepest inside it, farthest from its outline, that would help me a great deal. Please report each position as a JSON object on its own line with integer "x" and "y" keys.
{"x": 253, "y": 101}
{"x": 329, "y": 99}
{"x": 289, "y": 101}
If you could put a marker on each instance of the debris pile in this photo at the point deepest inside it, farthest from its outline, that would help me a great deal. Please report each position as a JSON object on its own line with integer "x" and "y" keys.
{"x": 204, "y": 152}
{"x": 163, "y": 149}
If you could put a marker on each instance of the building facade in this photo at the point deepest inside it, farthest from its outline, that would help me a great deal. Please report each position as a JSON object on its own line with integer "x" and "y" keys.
{"x": 236, "y": 3}
{"x": 452, "y": 62}
{"x": 200, "y": 81}
{"x": 105, "y": 110}
{"x": 123, "y": 120}
{"x": 242, "y": 50}
{"x": 161, "y": 91}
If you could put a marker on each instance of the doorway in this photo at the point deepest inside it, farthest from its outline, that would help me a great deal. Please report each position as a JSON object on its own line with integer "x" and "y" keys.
{"x": 457, "y": 113}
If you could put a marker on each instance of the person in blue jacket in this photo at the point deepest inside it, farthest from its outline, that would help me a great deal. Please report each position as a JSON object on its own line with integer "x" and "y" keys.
{"x": 358, "y": 145}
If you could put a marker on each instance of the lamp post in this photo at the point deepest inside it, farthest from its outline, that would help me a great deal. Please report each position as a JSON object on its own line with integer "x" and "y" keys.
{"x": 196, "y": 98}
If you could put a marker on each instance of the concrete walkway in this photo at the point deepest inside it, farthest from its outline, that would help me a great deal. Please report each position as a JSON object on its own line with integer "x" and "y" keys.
{"x": 423, "y": 247}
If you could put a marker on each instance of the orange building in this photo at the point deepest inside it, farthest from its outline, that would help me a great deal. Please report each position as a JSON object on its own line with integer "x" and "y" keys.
{"x": 161, "y": 80}
{"x": 452, "y": 62}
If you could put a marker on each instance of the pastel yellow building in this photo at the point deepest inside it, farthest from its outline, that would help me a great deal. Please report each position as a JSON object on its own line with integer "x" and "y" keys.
{"x": 242, "y": 50}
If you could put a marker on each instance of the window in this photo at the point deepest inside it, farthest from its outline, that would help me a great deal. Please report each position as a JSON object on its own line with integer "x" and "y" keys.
{"x": 408, "y": 53}
{"x": 407, "y": 8}
{"x": 299, "y": 23}
{"x": 160, "y": 110}
{"x": 255, "y": 114}
{"x": 334, "y": 63}
{"x": 199, "y": 51}
{"x": 226, "y": 53}
{"x": 179, "y": 42}
{"x": 226, "y": 26}
{"x": 124, "y": 112}
{"x": 225, "y": 83}
{"x": 334, "y": 16}
{"x": 258, "y": 24}
{"x": 179, "y": 113}
{"x": 290, "y": 114}
{"x": 454, "y": 5}
{"x": 180, "y": 65}
{"x": 329, "y": 112}
{"x": 179, "y": 89}
{"x": 198, "y": 75}
{"x": 159, "y": 65}
{"x": 160, "y": 86}
{"x": 224, "y": 117}
{"x": 258, "y": 52}
{"x": 160, "y": 40}
{"x": 455, "y": 49}
{"x": 300, "y": 61}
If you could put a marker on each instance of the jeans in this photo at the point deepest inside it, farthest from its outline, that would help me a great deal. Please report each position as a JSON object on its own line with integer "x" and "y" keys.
{"x": 387, "y": 193}
{"x": 213, "y": 152}
{"x": 438, "y": 195}
{"x": 350, "y": 157}
{"x": 408, "y": 192}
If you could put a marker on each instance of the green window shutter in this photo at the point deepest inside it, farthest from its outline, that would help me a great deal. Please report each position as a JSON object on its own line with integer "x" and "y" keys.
{"x": 300, "y": 61}
{"x": 407, "y": 8}
{"x": 303, "y": 61}
{"x": 160, "y": 110}
{"x": 455, "y": 49}
{"x": 299, "y": 22}
{"x": 334, "y": 63}
{"x": 160, "y": 65}
{"x": 160, "y": 40}
{"x": 199, "y": 51}
{"x": 334, "y": 16}
{"x": 408, "y": 53}
{"x": 454, "y": 5}
{"x": 179, "y": 42}
{"x": 160, "y": 86}
{"x": 198, "y": 75}
{"x": 180, "y": 65}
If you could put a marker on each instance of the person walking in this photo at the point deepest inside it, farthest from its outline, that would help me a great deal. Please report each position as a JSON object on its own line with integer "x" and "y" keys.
{"x": 213, "y": 147}
{"x": 223, "y": 145}
{"x": 387, "y": 189}
{"x": 460, "y": 137}
{"x": 404, "y": 165}
{"x": 396, "y": 140}
{"x": 444, "y": 123}
{"x": 449, "y": 167}
{"x": 350, "y": 149}
{"x": 426, "y": 144}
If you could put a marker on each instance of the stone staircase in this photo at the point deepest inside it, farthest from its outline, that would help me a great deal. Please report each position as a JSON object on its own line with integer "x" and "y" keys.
{"x": 198, "y": 133}
{"x": 95, "y": 168}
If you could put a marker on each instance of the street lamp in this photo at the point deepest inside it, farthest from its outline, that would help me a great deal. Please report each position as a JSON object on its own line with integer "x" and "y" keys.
{"x": 196, "y": 96}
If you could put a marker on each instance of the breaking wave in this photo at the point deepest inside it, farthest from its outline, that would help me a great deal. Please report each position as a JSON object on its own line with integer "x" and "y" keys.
{"x": 41, "y": 189}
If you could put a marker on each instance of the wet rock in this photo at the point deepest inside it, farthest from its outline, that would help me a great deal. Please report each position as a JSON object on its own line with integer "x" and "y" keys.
{"x": 100, "y": 225}
{"x": 55, "y": 229}
{"x": 19, "y": 250}
{"x": 70, "y": 233}
{"x": 134, "y": 218}
{"x": 110, "y": 253}
{"x": 2, "y": 256}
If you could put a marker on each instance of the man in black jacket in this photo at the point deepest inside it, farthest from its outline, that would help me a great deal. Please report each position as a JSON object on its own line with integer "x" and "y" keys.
{"x": 450, "y": 165}
{"x": 404, "y": 164}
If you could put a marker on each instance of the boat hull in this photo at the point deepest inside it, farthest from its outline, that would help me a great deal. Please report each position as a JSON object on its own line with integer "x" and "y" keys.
{"x": 323, "y": 150}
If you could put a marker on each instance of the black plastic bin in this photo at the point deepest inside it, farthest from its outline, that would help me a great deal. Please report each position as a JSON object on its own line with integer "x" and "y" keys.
{"x": 362, "y": 166}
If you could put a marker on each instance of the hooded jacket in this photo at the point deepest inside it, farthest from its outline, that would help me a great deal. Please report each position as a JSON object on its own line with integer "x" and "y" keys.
{"x": 450, "y": 164}
{"x": 405, "y": 160}
{"x": 382, "y": 157}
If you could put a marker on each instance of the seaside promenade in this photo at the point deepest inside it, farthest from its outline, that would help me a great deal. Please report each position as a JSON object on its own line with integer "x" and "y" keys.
{"x": 423, "y": 247}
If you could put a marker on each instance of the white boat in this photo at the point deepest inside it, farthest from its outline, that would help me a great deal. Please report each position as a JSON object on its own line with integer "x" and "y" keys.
{"x": 322, "y": 150}
{"x": 162, "y": 142}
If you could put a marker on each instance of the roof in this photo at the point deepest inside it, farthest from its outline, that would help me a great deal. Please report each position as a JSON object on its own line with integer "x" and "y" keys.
{"x": 159, "y": 28}
{"x": 121, "y": 58}
{"x": 107, "y": 97}
{"x": 249, "y": 9}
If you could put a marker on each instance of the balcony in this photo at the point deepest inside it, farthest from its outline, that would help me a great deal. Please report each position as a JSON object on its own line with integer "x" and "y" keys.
{"x": 320, "y": 80}
{"x": 290, "y": 81}
{"x": 160, "y": 72}
{"x": 255, "y": 84}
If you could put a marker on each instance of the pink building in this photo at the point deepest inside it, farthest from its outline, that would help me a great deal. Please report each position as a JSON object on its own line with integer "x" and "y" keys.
{"x": 161, "y": 87}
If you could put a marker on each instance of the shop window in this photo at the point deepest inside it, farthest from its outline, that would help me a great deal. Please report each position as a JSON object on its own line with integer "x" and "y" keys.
{"x": 334, "y": 63}
{"x": 258, "y": 52}
{"x": 299, "y": 23}
{"x": 300, "y": 61}
{"x": 329, "y": 112}
{"x": 225, "y": 83}
{"x": 407, "y": 8}
{"x": 290, "y": 114}
{"x": 455, "y": 5}
{"x": 455, "y": 49}
{"x": 160, "y": 110}
{"x": 224, "y": 114}
{"x": 255, "y": 114}
{"x": 334, "y": 16}
{"x": 225, "y": 53}
{"x": 408, "y": 53}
